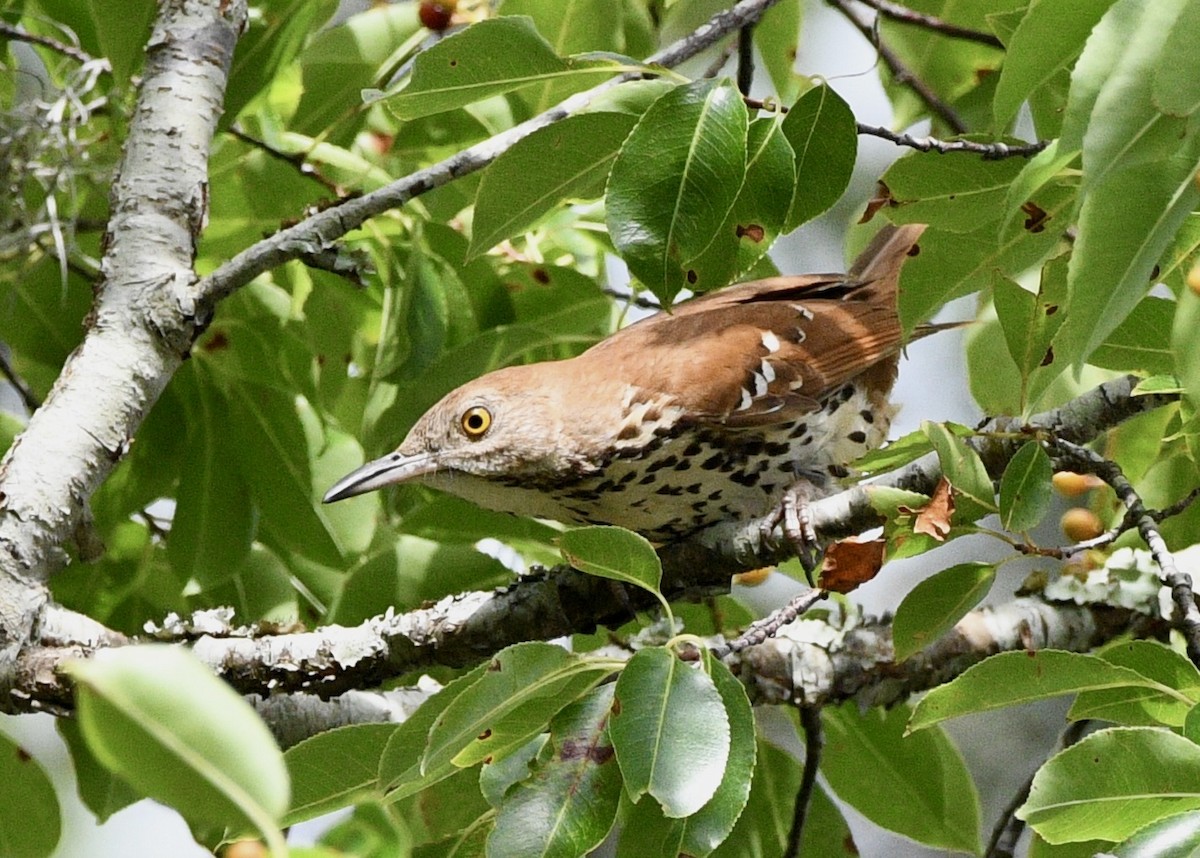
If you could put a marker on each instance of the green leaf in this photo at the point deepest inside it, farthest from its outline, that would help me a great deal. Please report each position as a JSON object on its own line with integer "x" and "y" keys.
{"x": 1010, "y": 678}
{"x": 1175, "y": 836}
{"x": 490, "y": 57}
{"x": 341, "y": 61}
{"x": 159, "y": 718}
{"x": 1029, "y": 322}
{"x": 903, "y": 450}
{"x": 757, "y": 216}
{"x": 214, "y": 519}
{"x": 570, "y": 803}
{"x": 512, "y": 701}
{"x": 821, "y": 128}
{"x": 1176, "y": 87}
{"x": 920, "y": 789}
{"x": 1183, "y": 343}
{"x": 30, "y": 822}
{"x": 1025, "y": 489}
{"x": 707, "y": 828}
{"x": 1049, "y": 38}
{"x": 1113, "y": 261}
{"x": 271, "y": 449}
{"x": 670, "y": 732}
{"x": 777, "y": 37}
{"x": 571, "y": 28}
{"x": 1143, "y": 706}
{"x": 964, "y": 469}
{"x": 1148, "y": 773}
{"x": 1137, "y": 345}
{"x": 957, "y": 196}
{"x": 400, "y": 771}
{"x": 102, "y": 791}
{"x": 335, "y": 769}
{"x": 675, "y": 181}
{"x": 762, "y": 829}
{"x": 123, "y": 28}
{"x": 613, "y": 552}
{"x": 933, "y": 606}
{"x": 569, "y": 159}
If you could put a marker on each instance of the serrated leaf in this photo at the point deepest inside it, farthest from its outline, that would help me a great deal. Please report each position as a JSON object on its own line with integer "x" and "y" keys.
{"x": 1049, "y": 38}
{"x": 964, "y": 469}
{"x": 1175, "y": 836}
{"x": 821, "y": 128}
{"x": 568, "y": 159}
{"x": 569, "y": 804}
{"x": 1176, "y": 88}
{"x": 1137, "y": 345}
{"x": 490, "y": 57}
{"x": 613, "y": 552}
{"x": 670, "y": 731}
{"x": 334, "y": 769}
{"x": 1143, "y": 706}
{"x": 30, "y": 821}
{"x": 1025, "y": 488}
{"x": 933, "y": 606}
{"x": 919, "y": 789}
{"x": 675, "y": 181}
{"x": 103, "y": 792}
{"x": 1149, "y": 773}
{"x": 159, "y": 718}
{"x": 512, "y": 701}
{"x": 1029, "y": 322}
{"x": 1010, "y": 678}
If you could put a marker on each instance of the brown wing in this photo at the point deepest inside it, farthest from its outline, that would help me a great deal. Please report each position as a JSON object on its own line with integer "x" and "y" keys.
{"x": 766, "y": 351}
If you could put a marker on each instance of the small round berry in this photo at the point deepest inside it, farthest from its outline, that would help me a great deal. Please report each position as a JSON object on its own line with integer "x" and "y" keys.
{"x": 436, "y": 15}
{"x": 1071, "y": 485}
{"x": 1080, "y": 524}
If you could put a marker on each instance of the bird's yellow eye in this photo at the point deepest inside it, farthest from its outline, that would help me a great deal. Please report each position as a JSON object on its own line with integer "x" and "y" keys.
{"x": 475, "y": 422}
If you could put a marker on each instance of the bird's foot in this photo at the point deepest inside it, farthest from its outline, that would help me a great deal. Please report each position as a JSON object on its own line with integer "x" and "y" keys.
{"x": 792, "y": 515}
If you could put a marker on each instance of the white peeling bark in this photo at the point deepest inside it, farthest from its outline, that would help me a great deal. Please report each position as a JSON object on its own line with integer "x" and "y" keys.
{"x": 142, "y": 321}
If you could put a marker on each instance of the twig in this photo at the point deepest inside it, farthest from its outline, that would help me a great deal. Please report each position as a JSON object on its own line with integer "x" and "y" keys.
{"x": 1186, "y": 614}
{"x": 814, "y": 744}
{"x": 902, "y": 74}
{"x": 296, "y": 160}
{"x": 766, "y": 628}
{"x": 714, "y": 68}
{"x": 1009, "y": 827}
{"x": 9, "y": 31}
{"x": 745, "y": 64}
{"x": 931, "y": 22}
{"x": 990, "y": 151}
{"x": 632, "y": 298}
{"x": 28, "y": 397}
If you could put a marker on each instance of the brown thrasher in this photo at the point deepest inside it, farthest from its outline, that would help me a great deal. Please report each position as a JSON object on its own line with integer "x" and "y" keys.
{"x": 721, "y": 409}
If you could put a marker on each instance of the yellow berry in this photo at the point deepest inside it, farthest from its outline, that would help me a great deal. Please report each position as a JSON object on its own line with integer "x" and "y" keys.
{"x": 1193, "y": 278}
{"x": 754, "y": 577}
{"x": 245, "y": 849}
{"x": 1070, "y": 484}
{"x": 1080, "y": 524}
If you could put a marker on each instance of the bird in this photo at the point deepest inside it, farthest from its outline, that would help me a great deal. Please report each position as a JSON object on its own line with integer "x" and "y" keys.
{"x": 740, "y": 404}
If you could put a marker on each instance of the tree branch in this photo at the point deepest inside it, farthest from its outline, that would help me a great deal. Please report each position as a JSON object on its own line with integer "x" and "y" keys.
{"x": 931, "y": 22}
{"x": 902, "y": 74}
{"x": 142, "y": 321}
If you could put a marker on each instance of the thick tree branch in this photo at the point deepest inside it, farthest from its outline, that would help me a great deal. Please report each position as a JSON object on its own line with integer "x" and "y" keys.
{"x": 141, "y": 323}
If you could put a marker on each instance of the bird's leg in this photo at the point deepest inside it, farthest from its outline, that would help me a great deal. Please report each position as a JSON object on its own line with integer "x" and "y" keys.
{"x": 792, "y": 514}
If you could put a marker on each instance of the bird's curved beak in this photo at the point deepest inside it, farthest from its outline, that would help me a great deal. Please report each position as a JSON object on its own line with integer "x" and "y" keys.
{"x": 389, "y": 470}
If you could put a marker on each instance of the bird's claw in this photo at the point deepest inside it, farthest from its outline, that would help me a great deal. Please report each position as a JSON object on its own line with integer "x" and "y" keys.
{"x": 792, "y": 515}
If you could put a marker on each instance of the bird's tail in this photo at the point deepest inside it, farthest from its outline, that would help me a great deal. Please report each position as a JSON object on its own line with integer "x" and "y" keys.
{"x": 883, "y": 258}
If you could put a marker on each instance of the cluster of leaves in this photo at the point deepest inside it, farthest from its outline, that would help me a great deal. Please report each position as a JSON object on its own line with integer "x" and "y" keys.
{"x": 303, "y": 373}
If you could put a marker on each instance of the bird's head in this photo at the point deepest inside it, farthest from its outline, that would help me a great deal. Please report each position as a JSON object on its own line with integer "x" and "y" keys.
{"x": 501, "y": 425}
